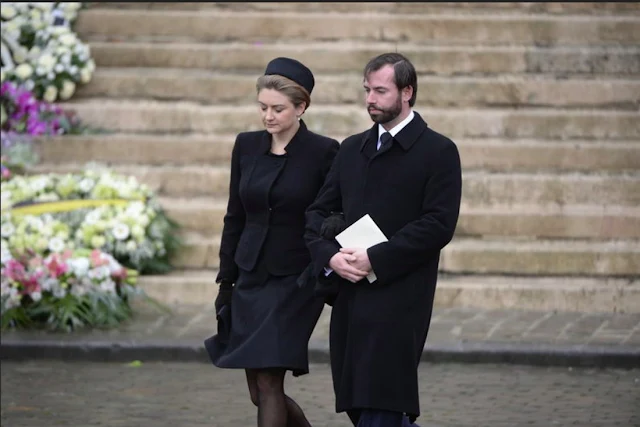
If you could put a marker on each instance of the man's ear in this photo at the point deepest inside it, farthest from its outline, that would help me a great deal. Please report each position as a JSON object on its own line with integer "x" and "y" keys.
{"x": 407, "y": 93}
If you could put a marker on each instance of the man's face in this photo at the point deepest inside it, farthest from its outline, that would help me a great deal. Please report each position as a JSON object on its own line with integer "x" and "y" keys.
{"x": 384, "y": 100}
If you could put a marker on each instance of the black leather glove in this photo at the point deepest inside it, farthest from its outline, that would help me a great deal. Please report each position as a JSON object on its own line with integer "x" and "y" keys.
{"x": 224, "y": 295}
{"x": 333, "y": 225}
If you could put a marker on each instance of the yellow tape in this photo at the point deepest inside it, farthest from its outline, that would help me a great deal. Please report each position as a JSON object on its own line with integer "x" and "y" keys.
{"x": 67, "y": 205}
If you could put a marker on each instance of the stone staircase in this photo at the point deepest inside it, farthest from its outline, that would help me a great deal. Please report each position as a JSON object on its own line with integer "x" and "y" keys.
{"x": 542, "y": 99}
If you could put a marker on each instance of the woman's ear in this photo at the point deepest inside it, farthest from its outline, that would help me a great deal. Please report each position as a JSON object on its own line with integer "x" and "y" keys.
{"x": 300, "y": 109}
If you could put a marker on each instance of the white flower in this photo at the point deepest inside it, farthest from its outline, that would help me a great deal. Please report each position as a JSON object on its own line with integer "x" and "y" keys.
{"x": 73, "y": 5}
{"x": 40, "y": 71}
{"x": 56, "y": 244}
{"x": 68, "y": 88}
{"x": 44, "y": 6}
{"x": 36, "y": 296}
{"x": 34, "y": 222}
{"x": 49, "y": 284}
{"x": 85, "y": 75}
{"x": 103, "y": 271}
{"x": 59, "y": 292}
{"x": 137, "y": 231}
{"x": 2, "y": 75}
{"x": 120, "y": 231}
{"x": 8, "y": 11}
{"x": 67, "y": 39}
{"x": 131, "y": 246}
{"x": 79, "y": 266}
{"x": 29, "y": 85}
{"x": 47, "y": 230}
{"x": 5, "y": 255}
{"x": 86, "y": 185}
{"x": 58, "y": 68}
{"x": 23, "y": 71}
{"x": 47, "y": 61}
{"x": 7, "y": 230}
{"x": 108, "y": 286}
{"x": 50, "y": 94}
{"x": 39, "y": 183}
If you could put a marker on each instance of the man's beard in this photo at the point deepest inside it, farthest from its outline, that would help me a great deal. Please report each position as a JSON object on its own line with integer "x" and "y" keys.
{"x": 386, "y": 115}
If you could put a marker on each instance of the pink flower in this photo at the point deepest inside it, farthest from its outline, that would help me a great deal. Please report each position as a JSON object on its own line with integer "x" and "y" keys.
{"x": 97, "y": 259}
{"x": 35, "y": 262}
{"x": 14, "y": 270}
{"x": 56, "y": 266}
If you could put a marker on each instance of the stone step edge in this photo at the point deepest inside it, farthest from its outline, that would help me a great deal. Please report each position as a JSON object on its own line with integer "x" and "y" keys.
{"x": 187, "y": 204}
{"x": 182, "y": 73}
{"x": 459, "y": 16}
{"x": 351, "y": 45}
{"x": 224, "y": 169}
{"x": 561, "y": 293}
{"x": 325, "y": 108}
{"x": 159, "y": 350}
{"x": 229, "y": 138}
{"x": 488, "y": 8}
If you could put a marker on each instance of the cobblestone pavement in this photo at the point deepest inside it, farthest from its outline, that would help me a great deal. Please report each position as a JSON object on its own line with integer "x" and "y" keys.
{"x": 52, "y": 393}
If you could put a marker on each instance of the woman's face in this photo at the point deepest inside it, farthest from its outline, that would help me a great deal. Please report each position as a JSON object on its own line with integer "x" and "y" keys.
{"x": 277, "y": 111}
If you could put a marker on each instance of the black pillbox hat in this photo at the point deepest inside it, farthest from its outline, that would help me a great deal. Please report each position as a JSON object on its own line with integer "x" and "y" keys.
{"x": 291, "y": 69}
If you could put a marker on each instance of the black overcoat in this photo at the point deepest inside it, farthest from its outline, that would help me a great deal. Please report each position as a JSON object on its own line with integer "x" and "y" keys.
{"x": 412, "y": 190}
{"x": 254, "y": 228}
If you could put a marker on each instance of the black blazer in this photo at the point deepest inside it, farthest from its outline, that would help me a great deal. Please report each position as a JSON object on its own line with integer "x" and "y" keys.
{"x": 272, "y": 232}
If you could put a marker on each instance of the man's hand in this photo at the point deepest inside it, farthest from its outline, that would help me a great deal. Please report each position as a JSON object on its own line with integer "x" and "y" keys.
{"x": 340, "y": 263}
{"x": 360, "y": 258}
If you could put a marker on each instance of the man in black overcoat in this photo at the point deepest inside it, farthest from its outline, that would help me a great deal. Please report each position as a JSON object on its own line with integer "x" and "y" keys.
{"x": 407, "y": 177}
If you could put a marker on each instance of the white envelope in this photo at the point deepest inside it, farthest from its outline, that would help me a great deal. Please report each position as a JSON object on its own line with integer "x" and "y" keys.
{"x": 363, "y": 233}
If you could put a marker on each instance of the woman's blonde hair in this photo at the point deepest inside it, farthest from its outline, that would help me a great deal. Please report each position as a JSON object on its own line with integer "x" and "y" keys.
{"x": 292, "y": 90}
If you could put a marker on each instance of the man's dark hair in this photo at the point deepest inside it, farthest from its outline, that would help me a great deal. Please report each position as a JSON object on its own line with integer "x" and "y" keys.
{"x": 404, "y": 71}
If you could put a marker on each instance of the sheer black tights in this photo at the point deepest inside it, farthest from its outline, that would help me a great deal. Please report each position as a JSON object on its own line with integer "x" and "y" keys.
{"x": 275, "y": 409}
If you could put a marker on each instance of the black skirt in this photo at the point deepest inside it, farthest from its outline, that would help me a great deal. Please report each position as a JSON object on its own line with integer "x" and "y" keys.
{"x": 272, "y": 319}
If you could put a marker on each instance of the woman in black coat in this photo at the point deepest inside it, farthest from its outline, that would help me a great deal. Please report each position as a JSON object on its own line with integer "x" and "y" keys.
{"x": 275, "y": 175}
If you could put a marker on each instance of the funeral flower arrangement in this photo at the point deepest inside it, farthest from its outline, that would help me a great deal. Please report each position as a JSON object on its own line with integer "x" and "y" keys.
{"x": 41, "y": 52}
{"x": 65, "y": 290}
{"x": 22, "y": 113}
{"x": 51, "y": 223}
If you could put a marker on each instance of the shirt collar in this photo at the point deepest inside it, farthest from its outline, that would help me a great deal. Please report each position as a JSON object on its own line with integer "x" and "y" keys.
{"x": 397, "y": 128}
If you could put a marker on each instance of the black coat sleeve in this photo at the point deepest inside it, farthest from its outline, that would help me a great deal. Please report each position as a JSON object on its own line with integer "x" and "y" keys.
{"x": 328, "y": 200}
{"x": 418, "y": 240}
{"x": 234, "y": 221}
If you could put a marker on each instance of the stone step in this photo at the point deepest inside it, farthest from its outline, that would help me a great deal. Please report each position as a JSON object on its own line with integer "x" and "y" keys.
{"x": 159, "y": 117}
{"x": 498, "y": 155}
{"x": 583, "y": 294}
{"x": 205, "y": 216}
{"x": 226, "y": 88}
{"x": 485, "y": 256}
{"x": 542, "y": 257}
{"x": 490, "y": 8}
{"x": 479, "y": 188}
{"x": 451, "y": 29}
{"x": 251, "y": 58}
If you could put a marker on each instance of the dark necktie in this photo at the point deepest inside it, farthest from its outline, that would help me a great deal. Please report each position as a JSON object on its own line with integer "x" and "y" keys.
{"x": 385, "y": 138}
